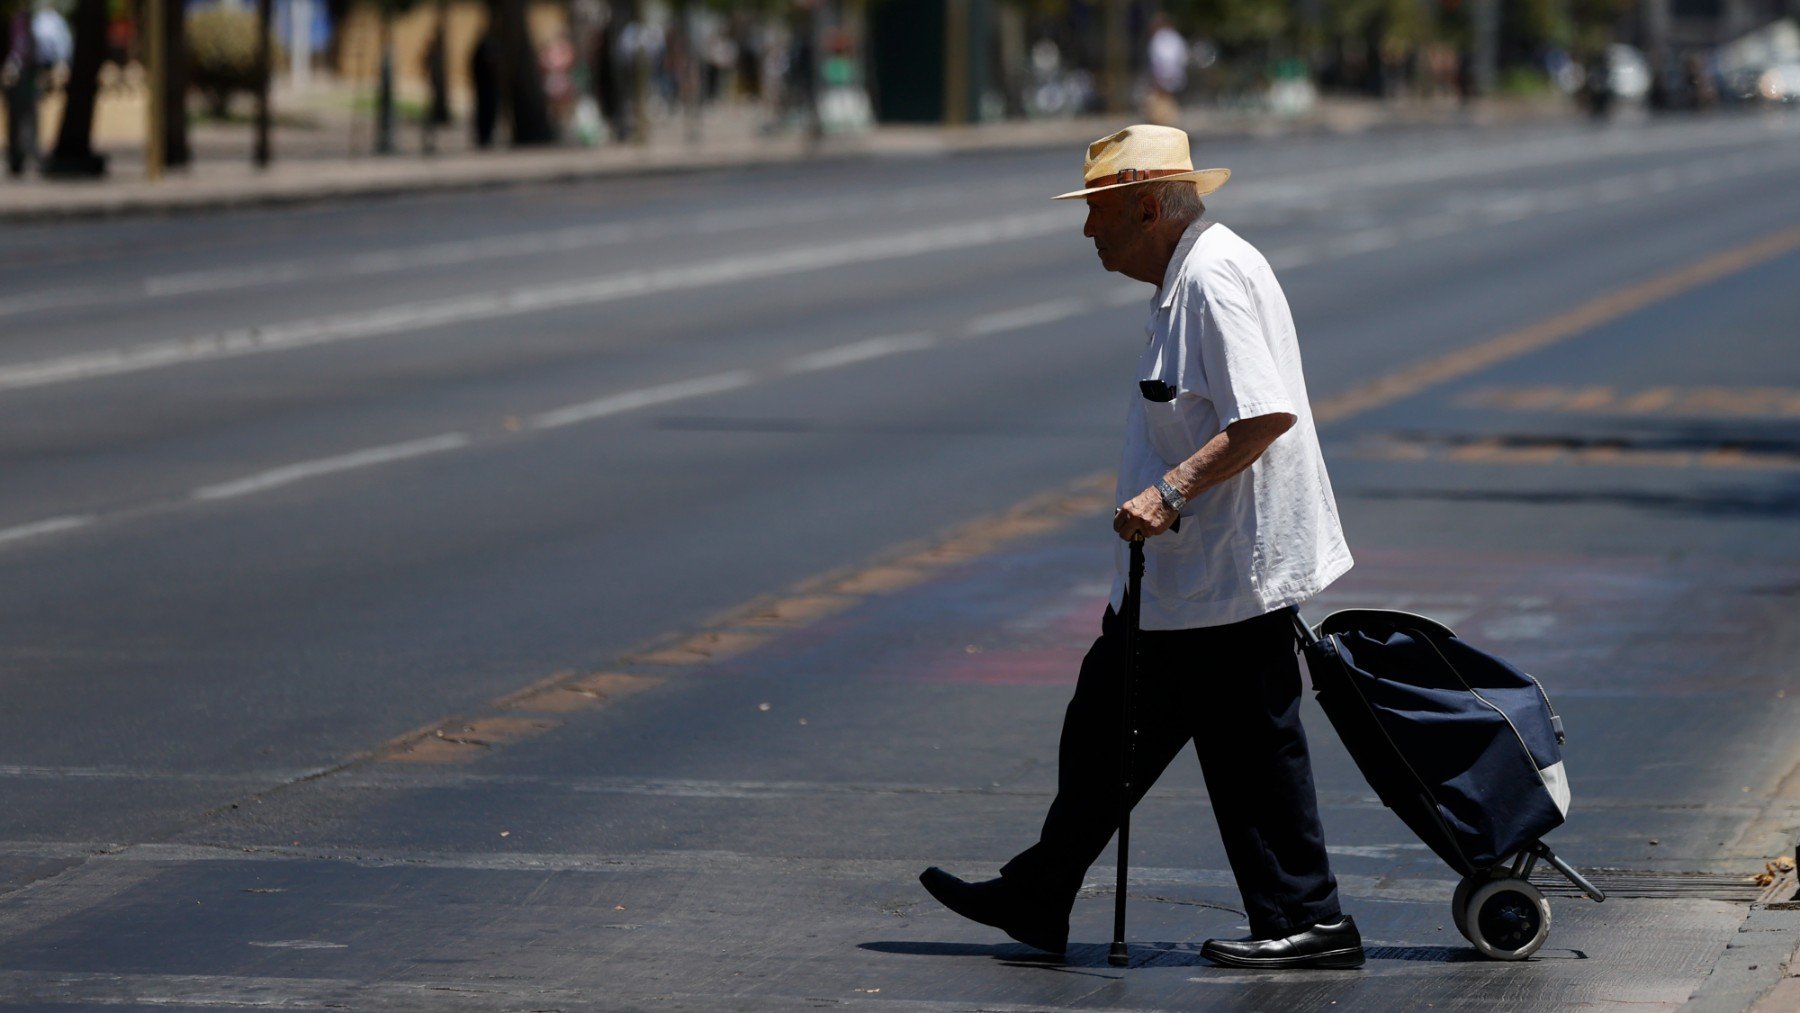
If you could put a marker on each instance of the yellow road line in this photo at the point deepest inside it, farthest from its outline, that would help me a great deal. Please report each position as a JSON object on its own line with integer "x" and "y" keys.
{"x": 1701, "y": 402}
{"x": 749, "y": 626}
{"x": 500, "y": 721}
{"x": 1561, "y": 452}
{"x": 1561, "y": 327}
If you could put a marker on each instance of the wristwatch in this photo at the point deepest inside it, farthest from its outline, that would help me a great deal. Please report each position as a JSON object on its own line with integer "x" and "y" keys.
{"x": 1171, "y": 496}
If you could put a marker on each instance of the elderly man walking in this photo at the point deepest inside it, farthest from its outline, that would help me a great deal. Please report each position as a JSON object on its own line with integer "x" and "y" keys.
{"x": 1220, "y": 434}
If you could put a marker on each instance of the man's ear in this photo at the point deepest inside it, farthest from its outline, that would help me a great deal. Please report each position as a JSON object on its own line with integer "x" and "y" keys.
{"x": 1149, "y": 209}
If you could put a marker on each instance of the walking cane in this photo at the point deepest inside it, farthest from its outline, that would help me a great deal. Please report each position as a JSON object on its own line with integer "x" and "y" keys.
{"x": 1120, "y": 956}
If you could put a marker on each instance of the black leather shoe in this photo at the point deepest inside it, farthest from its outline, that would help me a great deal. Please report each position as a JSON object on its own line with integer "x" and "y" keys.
{"x": 1334, "y": 944}
{"x": 995, "y": 902}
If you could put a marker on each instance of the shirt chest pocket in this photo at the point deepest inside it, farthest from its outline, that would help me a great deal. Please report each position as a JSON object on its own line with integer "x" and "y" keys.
{"x": 1168, "y": 420}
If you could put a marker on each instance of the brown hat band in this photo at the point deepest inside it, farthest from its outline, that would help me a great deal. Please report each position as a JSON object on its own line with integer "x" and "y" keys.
{"x": 1133, "y": 176}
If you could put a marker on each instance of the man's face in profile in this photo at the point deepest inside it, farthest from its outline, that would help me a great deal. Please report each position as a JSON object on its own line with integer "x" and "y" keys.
{"x": 1114, "y": 224}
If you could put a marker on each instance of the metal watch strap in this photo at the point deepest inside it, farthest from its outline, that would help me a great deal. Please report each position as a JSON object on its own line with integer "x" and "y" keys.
{"x": 1171, "y": 496}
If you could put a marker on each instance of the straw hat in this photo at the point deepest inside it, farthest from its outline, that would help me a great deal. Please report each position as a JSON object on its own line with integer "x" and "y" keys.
{"x": 1143, "y": 154}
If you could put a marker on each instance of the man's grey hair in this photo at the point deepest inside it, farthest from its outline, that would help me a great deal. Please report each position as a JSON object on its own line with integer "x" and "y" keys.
{"x": 1178, "y": 199}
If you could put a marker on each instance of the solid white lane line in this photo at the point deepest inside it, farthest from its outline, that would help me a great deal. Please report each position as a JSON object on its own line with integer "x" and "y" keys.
{"x": 861, "y": 351}
{"x": 1432, "y": 226}
{"x": 379, "y": 261}
{"x": 329, "y": 465}
{"x": 1496, "y": 210}
{"x": 52, "y": 525}
{"x": 189, "y": 282}
{"x": 1483, "y": 159}
{"x": 528, "y": 299}
{"x": 464, "y": 251}
{"x": 564, "y": 240}
{"x": 614, "y": 404}
{"x": 1292, "y": 190}
{"x": 50, "y": 300}
{"x": 1024, "y": 316}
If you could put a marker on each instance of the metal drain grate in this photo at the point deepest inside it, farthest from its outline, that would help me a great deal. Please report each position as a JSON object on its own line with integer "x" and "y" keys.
{"x": 1653, "y": 885}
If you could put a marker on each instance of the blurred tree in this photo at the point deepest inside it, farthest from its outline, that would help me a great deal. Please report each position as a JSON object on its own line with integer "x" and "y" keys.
{"x": 1383, "y": 36}
{"x": 1594, "y": 24}
{"x": 222, "y": 54}
{"x": 1534, "y": 24}
{"x": 175, "y": 132}
{"x": 437, "y": 67}
{"x": 1248, "y": 27}
{"x": 265, "y": 62}
{"x": 384, "y": 73}
{"x": 521, "y": 85}
{"x": 338, "y": 14}
{"x": 74, "y": 154}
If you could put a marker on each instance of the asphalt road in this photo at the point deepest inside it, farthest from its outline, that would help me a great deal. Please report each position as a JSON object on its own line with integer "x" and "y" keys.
{"x": 284, "y": 489}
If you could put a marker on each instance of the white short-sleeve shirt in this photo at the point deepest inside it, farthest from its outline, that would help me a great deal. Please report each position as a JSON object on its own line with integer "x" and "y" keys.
{"x": 1220, "y": 346}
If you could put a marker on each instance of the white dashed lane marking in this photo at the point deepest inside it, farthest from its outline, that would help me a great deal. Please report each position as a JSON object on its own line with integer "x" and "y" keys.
{"x": 48, "y": 526}
{"x": 277, "y": 477}
{"x": 861, "y": 351}
{"x": 631, "y": 400}
{"x": 1510, "y": 207}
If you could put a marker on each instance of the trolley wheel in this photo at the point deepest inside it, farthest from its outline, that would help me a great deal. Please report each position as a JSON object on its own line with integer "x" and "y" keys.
{"x": 1459, "y": 901}
{"x": 1507, "y": 918}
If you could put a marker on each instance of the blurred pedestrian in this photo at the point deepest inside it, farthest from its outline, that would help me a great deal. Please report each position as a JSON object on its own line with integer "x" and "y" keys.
{"x": 608, "y": 88}
{"x": 55, "y": 41}
{"x": 800, "y": 91}
{"x": 18, "y": 79}
{"x": 437, "y": 75}
{"x": 1699, "y": 82}
{"x": 721, "y": 59}
{"x": 749, "y": 58}
{"x": 1596, "y": 87}
{"x": 1220, "y": 436}
{"x": 1168, "y": 72}
{"x": 556, "y": 65}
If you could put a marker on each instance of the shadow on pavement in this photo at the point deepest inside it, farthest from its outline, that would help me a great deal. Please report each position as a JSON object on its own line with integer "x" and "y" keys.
{"x": 1078, "y": 957}
{"x": 1009, "y": 951}
{"x": 1165, "y": 954}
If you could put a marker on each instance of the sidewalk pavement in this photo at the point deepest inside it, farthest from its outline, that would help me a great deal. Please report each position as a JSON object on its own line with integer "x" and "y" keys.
{"x": 313, "y": 158}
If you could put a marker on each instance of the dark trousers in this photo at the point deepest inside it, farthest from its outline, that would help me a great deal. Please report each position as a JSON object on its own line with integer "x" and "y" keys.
{"x": 1235, "y": 691}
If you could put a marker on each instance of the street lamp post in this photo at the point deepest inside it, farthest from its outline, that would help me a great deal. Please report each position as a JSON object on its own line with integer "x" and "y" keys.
{"x": 264, "y": 70}
{"x": 156, "y": 54}
{"x": 956, "y": 63}
{"x": 384, "y": 98}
